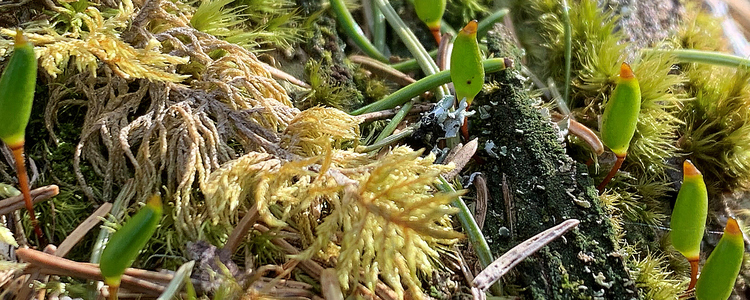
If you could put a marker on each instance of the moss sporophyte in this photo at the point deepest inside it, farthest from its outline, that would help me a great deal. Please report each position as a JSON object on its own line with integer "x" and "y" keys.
{"x": 722, "y": 266}
{"x": 689, "y": 217}
{"x": 431, "y": 13}
{"x": 467, "y": 71}
{"x": 17, "y": 86}
{"x": 620, "y": 119}
{"x": 127, "y": 242}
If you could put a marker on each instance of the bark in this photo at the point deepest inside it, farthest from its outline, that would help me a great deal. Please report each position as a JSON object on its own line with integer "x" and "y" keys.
{"x": 544, "y": 187}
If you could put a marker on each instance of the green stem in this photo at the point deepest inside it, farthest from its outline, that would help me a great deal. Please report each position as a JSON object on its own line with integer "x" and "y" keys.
{"x": 484, "y": 26}
{"x": 568, "y": 46}
{"x": 378, "y": 28}
{"x": 175, "y": 285}
{"x": 395, "y": 121}
{"x": 706, "y": 57}
{"x": 391, "y": 139}
{"x": 353, "y": 30}
{"x": 476, "y": 238}
{"x": 427, "y": 83}
{"x": 447, "y": 28}
{"x": 412, "y": 43}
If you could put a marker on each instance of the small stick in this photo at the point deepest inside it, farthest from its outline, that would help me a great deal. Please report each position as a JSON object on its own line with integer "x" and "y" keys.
{"x": 239, "y": 231}
{"x": 583, "y": 132}
{"x": 388, "y": 113}
{"x": 329, "y": 284}
{"x": 509, "y": 207}
{"x": 382, "y": 69}
{"x": 53, "y": 265}
{"x": 38, "y": 195}
{"x": 279, "y": 74}
{"x": 74, "y": 237}
{"x": 460, "y": 156}
{"x": 502, "y": 265}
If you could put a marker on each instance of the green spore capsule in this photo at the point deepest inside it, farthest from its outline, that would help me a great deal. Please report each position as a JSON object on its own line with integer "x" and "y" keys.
{"x": 467, "y": 71}
{"x": 125, "y": 244}
{"x": 431, "y": 13}
{"x": 689, "y": 217}
{"x": 17, "y": 86}
{"x": 620, "y": 118}
{"x": 722, "y": 266}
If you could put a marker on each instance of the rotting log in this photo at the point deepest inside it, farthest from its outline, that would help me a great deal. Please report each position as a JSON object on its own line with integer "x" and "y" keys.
{"x": 544, "y": 188}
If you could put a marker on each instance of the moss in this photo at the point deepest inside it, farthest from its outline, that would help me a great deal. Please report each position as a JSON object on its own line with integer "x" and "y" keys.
{"x": 548, "y": 189}
{"x": 327, "y": 67}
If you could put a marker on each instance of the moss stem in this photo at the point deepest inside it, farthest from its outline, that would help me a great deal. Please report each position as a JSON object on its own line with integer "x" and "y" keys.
{"x": 23, "y": 182}
{"x": 611, "y": 173}
{"x": 693, "y": 272}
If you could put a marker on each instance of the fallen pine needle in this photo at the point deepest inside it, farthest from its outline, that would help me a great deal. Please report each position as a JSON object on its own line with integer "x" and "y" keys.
{"x": 502, "y": 265}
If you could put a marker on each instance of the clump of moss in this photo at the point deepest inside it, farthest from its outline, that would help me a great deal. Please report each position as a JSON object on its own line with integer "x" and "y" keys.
{"x": 597, "y": 51}
{"x": 327, "y": 91}
{"x": 655, "y": 280}
{"x": 717, "y": 126}
{"x": 460, "y": 12}
{"x": 251, "y": 23}
{"x": 717, "y": 121}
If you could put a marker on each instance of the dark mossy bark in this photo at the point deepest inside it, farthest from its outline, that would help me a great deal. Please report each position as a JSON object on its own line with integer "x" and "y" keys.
{"x": 545, "y": 187}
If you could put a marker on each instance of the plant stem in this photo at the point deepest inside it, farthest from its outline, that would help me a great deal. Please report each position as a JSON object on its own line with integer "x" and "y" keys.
{"x": 611, "y": 173}
{"x": 412, "y": 43}
{"x": 427, "y": 83}
{"x": 378, "y": 28}
{"x": 476, "y": 238}
{"x": 391, "y": 139}
{"x": 180, "y": 277}
{"x": 395, "y": 121}
{"x": 568, "y": 45}
{"x": 486, "y": 23}
{"x": 482, "y": 29}
{"x": 352, "y": 30}
{"x": 706, "y": 57}
{"x": 23, "y": 182}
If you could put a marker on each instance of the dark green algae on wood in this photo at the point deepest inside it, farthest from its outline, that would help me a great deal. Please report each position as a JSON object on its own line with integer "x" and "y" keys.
{"x": 545, "y": 187}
